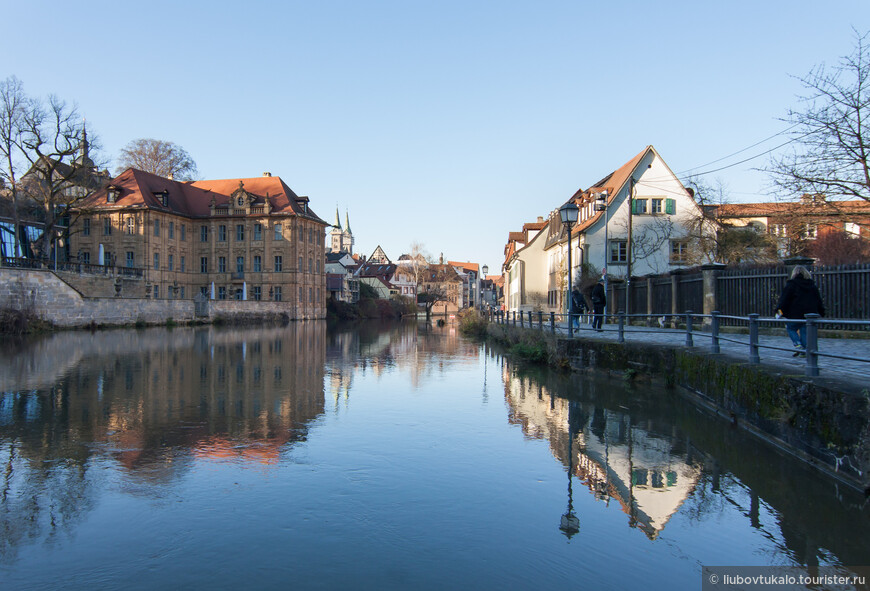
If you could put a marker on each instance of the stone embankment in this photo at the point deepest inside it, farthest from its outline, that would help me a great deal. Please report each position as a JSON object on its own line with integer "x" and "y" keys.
{"x": 823, "y": 420}
{"x": 44, "y": 295}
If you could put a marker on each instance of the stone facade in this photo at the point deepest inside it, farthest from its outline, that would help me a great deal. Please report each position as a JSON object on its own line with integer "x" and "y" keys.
{"x": 258, "y": 241}
{"x": 46, "y": 296}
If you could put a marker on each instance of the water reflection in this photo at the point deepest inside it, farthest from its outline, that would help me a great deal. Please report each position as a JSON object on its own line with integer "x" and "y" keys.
{"x": 150, "y": 403}
{"x": 657, "y": 456}
{"x": 402, "y": 441}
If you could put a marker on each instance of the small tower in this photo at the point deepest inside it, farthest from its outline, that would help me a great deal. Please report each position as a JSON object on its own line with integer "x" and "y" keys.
{"x": 83, "y": 160}
{"x": 336, "y": 235}
{"x": 347, "y": 235}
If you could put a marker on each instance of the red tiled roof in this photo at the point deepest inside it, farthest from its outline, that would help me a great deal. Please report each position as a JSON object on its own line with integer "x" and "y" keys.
{"x": 467, "y": 266}
{"x": 613, "y": 183}
{"x": 139, "y": 188}
{"x": 782, "y": 207}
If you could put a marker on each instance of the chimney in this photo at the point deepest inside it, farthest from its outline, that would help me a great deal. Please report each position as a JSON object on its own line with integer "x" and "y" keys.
{"x": 267, "y": 174}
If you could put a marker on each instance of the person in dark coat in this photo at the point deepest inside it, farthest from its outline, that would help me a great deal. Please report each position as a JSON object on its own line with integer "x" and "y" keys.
{"x": 599, "y": 301}
{"x": 800, "y": 297}
{"x": 578, "y": 306}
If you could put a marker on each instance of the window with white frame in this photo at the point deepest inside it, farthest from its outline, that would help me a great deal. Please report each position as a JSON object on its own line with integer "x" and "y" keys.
{"x": 852, "y": 229}
{"x": 657, "y": 205}
{"x": 778, "y": 230}
{"x": 679, "y": 252}
{"x": 618, "y": 251}
{"x": 811, "y": 231}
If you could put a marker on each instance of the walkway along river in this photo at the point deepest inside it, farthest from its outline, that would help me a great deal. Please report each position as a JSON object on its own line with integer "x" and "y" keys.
{"x": 382, "y": 457}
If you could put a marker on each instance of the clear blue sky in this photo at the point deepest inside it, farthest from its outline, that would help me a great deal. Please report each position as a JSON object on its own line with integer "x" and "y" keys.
{"x": 451, "y": 122}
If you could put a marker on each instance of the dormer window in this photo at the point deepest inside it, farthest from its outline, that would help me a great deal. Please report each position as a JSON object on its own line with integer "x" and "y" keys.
{"x": 112, "y": 194}
{"x": 163, "y": 197}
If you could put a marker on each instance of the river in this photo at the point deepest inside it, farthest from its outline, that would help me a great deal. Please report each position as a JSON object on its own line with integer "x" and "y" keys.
{"x": 379, "y": 457}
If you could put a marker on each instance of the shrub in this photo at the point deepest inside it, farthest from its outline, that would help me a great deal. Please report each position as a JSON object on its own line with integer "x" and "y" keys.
{"x": 472, "y": 324}
{"x": 16, "y": 322}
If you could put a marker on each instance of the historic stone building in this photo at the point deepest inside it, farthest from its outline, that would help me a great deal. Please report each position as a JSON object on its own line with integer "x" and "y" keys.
{"x": 243, "y": 239}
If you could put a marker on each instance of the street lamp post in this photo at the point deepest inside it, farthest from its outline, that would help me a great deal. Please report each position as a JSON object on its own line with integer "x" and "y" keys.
{"x": 484, "y": 269}
{"x": 569, "y": 213}
{"x": 601, "y": 205}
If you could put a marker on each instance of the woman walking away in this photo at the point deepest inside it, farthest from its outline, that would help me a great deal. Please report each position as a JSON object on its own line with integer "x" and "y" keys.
{"x": 800, "y": 297}
{"x": 599, "y": 301}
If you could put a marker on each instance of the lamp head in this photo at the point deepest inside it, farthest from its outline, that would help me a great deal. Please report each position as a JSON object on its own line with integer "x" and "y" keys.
{"x": 569, "y": 212}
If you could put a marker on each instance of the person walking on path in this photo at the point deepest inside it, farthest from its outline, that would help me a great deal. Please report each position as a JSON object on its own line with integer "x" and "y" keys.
{"x": 599, "y": 301}
{"x": 800, "y": 297}
{"x": 578, "y": 306}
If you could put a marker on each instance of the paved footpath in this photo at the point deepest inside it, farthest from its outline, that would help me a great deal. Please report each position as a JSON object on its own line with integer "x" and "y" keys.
{"x": 737, "y": 346}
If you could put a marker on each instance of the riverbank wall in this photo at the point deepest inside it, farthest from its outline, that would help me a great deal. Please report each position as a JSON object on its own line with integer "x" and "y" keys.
{"x": 824, "y": 421}
{"x": 46, "y": 297}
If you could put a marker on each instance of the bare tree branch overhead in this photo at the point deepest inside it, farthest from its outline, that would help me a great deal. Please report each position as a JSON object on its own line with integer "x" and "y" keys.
{"x": 158, "y": 157}
{"x": 831, "y": 142}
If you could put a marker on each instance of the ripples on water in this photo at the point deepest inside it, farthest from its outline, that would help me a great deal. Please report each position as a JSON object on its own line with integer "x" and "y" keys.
{"x": 378, "y": 457}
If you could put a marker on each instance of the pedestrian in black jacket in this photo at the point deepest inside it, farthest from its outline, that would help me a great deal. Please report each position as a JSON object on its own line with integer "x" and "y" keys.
{"x": 800, "y": 297}
{"x": 578, "y": 306}
{"x": 599, "y": 301}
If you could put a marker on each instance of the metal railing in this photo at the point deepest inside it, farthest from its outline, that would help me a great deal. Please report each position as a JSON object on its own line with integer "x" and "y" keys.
{"x": 623, "y": 324}
{"x": 72, "y": 267}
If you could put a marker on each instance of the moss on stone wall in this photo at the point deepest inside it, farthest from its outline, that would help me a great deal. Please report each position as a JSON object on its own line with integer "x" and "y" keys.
{"x": 820, "y": 419}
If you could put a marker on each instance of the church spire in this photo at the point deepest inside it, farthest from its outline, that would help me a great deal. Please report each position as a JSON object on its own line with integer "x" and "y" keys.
{"x": 84, "y": 159}
{"x": 346, "y": 221}
{"x": 337, "y": 223}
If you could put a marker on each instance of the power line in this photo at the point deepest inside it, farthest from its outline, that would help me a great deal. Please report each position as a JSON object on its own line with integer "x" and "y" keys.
{"x": 739, "y": 151}
{"x": 754, "y": 157}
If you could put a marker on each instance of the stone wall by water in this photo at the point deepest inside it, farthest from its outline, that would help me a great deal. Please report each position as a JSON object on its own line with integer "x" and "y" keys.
{"x": 44, "y": 295}
{"x": 823, "y": 421}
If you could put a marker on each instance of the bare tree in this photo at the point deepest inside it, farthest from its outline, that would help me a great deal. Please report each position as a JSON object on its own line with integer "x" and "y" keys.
{"x": 706, "y": 229}
{"x": 419, "y": 262}
{"x": 12, "y": 102}
{"x": 54, "y": 143}
{"x": 648, "y": 239}
{"x": 831, "y": 138}
{"x": 158, "y": 157}
{"x": 713, "y": 240}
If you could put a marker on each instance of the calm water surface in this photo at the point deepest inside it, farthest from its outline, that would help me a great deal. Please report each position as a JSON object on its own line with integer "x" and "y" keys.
{"x": 382, "y": 457}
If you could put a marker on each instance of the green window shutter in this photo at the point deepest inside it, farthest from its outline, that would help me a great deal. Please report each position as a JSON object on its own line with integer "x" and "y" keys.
{"x": 634, "y": 206}
{"x": 670, "y": 206}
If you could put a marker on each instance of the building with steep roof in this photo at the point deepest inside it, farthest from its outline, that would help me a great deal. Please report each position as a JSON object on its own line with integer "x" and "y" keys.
{"x": 244, "y": 239}
{"x": 379, "y": 256}
{"x": 635, "y": 221}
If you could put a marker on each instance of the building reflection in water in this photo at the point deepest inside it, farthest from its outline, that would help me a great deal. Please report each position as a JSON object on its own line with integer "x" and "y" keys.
{"x": 613, "y": 458}
{"x": 655, "y": 456}
{"x": 138, "y": 410}
{"x": 416, "y": 350}
{"x": 154, "y": 403}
